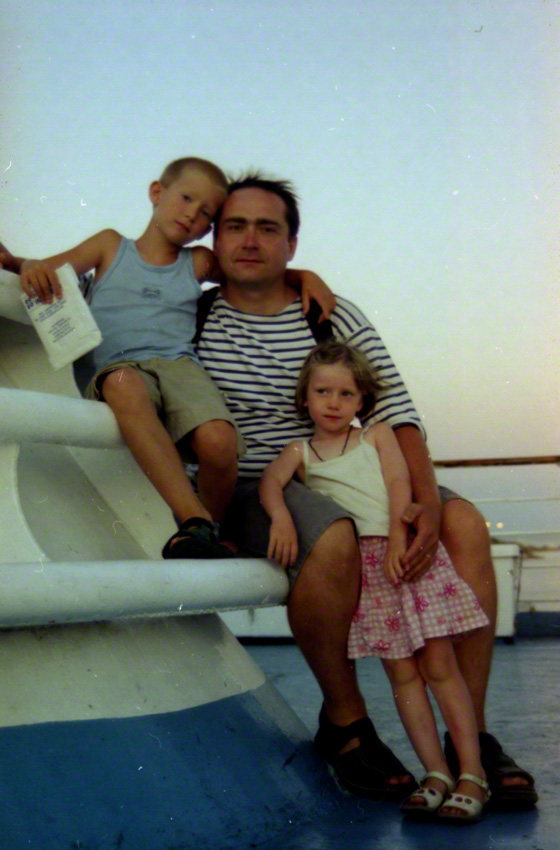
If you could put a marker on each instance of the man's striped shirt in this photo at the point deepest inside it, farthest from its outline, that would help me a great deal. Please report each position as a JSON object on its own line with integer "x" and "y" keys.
{"x": 256, "y": 360}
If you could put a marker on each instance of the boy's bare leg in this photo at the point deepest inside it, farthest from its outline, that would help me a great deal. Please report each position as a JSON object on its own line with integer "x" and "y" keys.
{"x": 153, "y": 449}
{"x": 215, "y": 445}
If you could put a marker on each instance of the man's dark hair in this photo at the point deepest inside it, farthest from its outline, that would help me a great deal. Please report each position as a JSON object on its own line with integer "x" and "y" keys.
{"x": 283, "y": 188}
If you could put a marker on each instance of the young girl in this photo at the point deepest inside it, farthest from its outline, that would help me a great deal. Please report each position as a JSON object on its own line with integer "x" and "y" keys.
{"x": 408, "y": 625}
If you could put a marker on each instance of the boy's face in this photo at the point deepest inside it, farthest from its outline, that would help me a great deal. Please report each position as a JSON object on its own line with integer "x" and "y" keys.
{"x": 184, "y": 210}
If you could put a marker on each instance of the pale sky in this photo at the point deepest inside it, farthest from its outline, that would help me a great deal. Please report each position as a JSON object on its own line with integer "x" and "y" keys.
{"x": 422, "y": 138}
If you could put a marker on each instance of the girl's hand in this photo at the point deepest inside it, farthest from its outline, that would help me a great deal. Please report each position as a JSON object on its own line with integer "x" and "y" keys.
{"x": 392, "y": 564}
{"x": 39, "y": 280}
{"x": 283, "y": 545}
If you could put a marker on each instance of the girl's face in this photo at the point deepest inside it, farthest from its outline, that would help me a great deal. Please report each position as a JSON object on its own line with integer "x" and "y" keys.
{"x": 333, "y": 397}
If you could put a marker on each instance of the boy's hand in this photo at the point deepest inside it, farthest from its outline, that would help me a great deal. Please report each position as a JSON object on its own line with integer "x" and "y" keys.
{"x": 314, "y": 288}
{"x": 39, "y": 280}
{"x": 283, "y": 545}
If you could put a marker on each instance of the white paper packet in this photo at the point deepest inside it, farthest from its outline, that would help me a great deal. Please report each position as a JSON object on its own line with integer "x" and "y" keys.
{"x": 66, "y": 327}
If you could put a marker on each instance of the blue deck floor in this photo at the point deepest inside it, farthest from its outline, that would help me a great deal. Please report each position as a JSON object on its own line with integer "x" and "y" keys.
{"x": 523, "y": 712}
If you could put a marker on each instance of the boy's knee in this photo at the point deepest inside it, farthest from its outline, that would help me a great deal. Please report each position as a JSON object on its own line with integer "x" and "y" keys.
{"x": 215, "y": 443}
{"x": 122, "y": 384}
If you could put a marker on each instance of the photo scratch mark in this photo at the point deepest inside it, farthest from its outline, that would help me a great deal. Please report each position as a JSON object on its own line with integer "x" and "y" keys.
{"x": 8, "y": 168}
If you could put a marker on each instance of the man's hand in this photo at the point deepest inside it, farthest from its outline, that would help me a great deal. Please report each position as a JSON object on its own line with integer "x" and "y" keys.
{"x": 419, "y": 556}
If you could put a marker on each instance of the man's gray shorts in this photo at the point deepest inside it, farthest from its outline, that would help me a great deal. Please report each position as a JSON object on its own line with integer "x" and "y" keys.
{"x": 248, "y": 523}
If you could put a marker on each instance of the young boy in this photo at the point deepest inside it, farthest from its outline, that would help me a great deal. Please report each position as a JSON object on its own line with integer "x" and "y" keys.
{"x": 144, "y": 301}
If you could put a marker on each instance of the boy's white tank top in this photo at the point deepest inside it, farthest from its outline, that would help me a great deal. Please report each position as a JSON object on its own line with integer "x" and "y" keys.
{"x": 355, "y": 481}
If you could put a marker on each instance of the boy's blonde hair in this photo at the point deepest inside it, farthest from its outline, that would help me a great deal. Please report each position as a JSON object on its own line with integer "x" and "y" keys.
{"x": 173, "y": 171}
{"x": 337, "y": 351}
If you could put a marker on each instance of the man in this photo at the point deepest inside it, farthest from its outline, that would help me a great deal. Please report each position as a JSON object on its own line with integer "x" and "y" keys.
{"x": 253, "y": 344}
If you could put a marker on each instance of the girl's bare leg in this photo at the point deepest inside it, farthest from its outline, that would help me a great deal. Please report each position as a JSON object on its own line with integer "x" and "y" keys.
{"x": 417, "y": 717}
{"x": 439, "y": 669}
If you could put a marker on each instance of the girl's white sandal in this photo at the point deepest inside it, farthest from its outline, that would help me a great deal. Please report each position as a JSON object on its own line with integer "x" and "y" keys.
{"x": 433, "y": 798}
{"x": 474, "y": 810}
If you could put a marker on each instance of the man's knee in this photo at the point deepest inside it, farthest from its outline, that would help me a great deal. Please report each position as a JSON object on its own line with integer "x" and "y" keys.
{"x": 463, "y": 528}
{"x": 215, "y": 443}
{"x": 338, "y": 542}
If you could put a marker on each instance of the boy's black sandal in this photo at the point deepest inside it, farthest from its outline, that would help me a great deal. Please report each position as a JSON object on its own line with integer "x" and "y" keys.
{"x": 196, "y": 538}
{"x": 364, "y": 770}
{"x": 498, "y": 766}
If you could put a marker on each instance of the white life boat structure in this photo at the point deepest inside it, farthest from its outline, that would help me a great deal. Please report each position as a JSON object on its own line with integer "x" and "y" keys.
{"x": 130, "y": 716}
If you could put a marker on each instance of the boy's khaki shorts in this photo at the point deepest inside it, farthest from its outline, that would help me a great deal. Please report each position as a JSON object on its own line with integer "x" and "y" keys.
{"x": 183, "y": 394}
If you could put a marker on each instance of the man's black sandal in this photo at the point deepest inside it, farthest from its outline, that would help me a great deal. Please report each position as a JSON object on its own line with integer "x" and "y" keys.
{"x": 498, "y": 766}
{"x": 196, "y": 538}
{"x": 367, "y": 769}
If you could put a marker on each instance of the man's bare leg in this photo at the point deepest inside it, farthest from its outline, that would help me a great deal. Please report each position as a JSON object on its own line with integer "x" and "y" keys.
{"x": 465, "y": 536}
{"x": 321, "y": 605}
{"x": 320, "y": 609}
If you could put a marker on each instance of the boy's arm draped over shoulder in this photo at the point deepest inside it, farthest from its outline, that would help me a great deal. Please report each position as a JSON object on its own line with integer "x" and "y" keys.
{"x": 395, "y": 406}
{"x": 283, "y": 544}
{"x": 206, "y": 266}
{"x": 38, "y": 277}
{"x": 313, "y": 288}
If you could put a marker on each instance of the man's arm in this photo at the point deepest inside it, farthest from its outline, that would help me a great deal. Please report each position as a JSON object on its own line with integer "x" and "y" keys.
{"x": 395, "y": 407}
{"x": 425, "y": 512}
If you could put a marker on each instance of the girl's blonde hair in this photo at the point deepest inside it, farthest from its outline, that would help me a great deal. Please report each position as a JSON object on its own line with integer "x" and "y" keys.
{"x": 337, "y": 351}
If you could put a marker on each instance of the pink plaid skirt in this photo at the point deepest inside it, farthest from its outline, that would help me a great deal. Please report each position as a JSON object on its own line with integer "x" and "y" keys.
{"x": 393, "y": 622}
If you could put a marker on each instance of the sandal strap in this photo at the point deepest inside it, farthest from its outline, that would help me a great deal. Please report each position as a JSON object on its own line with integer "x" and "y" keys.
{"x": 371, "y": 744}
{"x": 196, "y": 522}
{"x": 436, "y": 774}
{"x": 482, "y": 783}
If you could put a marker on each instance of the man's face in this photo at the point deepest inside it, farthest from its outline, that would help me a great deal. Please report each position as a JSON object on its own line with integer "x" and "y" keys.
{"x": 253, "y": 244}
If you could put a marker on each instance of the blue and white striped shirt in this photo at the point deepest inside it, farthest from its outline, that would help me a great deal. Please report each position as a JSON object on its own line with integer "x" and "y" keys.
{"x": 256, "y": 360}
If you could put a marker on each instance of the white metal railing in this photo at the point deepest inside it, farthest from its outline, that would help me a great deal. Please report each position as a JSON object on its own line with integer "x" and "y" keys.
{"x": 44, "y": 592}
